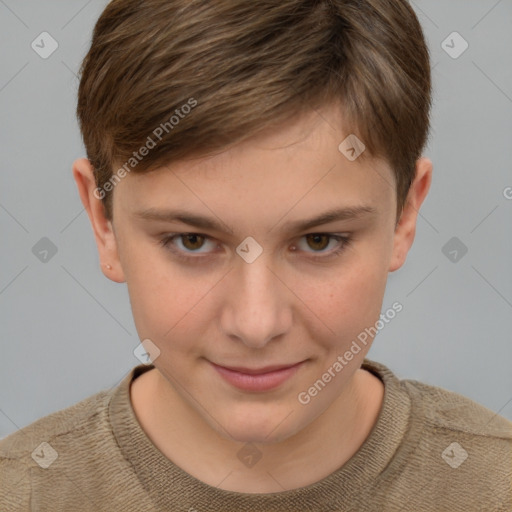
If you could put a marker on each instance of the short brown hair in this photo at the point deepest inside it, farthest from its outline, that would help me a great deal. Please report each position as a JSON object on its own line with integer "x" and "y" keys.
{"x": 243, "y": 66}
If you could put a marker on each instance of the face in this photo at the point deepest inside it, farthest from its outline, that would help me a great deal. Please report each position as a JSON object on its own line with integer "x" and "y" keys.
{"x": 258, "y": 290}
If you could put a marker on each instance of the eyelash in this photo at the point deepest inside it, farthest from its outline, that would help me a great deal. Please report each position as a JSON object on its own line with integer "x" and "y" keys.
{"x": 344, "y": 239}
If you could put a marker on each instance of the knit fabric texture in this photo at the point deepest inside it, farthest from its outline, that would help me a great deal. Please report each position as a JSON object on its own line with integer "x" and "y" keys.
{"x": 430, "y": 450}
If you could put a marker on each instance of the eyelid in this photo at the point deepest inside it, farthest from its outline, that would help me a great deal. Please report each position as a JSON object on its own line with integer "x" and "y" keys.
{"x": 166, "y": 242}
{"x": 344, "y": 239}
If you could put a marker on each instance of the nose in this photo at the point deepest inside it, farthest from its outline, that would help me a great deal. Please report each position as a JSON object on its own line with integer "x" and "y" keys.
{"x": 258, "y": 308}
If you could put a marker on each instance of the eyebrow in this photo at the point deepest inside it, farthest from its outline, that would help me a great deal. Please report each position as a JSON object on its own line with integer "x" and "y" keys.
{"x": 199, "y": 221}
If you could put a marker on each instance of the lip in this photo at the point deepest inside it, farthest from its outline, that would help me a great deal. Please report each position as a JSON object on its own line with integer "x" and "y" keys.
{"x": 257, "y": 379}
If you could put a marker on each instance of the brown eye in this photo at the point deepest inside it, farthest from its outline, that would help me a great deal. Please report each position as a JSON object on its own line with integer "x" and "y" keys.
{"x": 190, "y": 241}
{"x": 187, "y": 243}
{"x": 319, "y": 240}
{"x": 318, "y": 245}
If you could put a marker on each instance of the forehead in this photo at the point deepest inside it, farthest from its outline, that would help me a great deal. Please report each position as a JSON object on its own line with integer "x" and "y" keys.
{"x": 293, "y": 166}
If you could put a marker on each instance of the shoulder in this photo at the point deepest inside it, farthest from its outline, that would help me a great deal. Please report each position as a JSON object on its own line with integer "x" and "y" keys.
{"x": 72, "y": 459}
{"x": 455, "y": 454}
{"x": 459, "y": 448}
{"x": 451, "y": 411}
{"x": 39, "y": 456}
{"x": 39, "y": 445}
{"x": 75, "y": 420}
{"x": 441, "y": 409}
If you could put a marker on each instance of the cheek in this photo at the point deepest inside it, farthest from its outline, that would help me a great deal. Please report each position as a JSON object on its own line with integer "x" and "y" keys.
{"x": 159, "y": 294}
{"x": 348, "y": 300}
{"x": 173, "y": 308}
{"x": 157, "y": 297}
{"x": 162, "y": 303}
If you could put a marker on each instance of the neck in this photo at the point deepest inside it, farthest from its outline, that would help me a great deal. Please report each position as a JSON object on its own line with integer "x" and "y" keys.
{"x": 322, "y": 446}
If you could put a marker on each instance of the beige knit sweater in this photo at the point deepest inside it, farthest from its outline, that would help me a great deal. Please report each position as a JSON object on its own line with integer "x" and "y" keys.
{"x": 430, "y": 450}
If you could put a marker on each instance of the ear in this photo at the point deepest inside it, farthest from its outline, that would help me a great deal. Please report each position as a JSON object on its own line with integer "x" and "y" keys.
{"x": 83, "y": 174}
{"x": 406, "y": 227}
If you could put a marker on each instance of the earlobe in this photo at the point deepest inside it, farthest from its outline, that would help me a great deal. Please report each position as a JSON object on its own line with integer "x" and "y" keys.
{"x": 83, "y": 173}
{"x": 406, "y": 228}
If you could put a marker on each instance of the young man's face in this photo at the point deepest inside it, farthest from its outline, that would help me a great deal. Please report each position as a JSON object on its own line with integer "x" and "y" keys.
{"x": 214, "y": 299}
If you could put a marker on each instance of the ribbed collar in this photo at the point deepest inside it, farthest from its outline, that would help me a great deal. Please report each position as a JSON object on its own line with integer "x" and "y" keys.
{"x": 168, "y": 485}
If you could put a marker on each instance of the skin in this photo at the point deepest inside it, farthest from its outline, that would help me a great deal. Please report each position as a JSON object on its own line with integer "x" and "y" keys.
{"x": 280, "y": 309}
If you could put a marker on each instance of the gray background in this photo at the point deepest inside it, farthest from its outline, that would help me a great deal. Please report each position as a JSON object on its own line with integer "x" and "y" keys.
{"x": 67, "y": 331}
